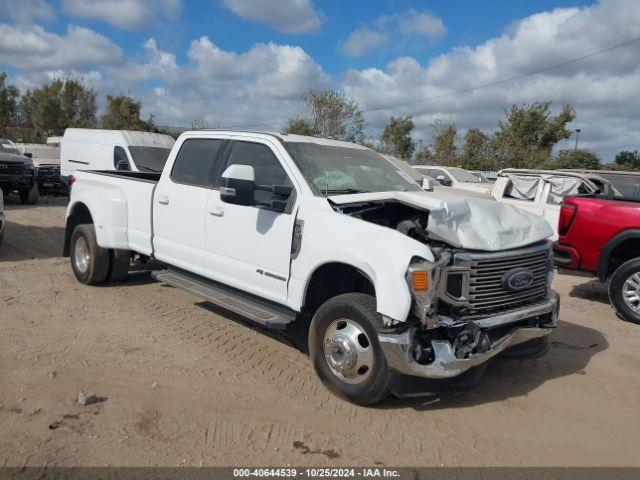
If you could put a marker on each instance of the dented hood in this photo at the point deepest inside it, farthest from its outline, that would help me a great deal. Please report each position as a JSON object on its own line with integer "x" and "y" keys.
{"x": 470, "y": 223}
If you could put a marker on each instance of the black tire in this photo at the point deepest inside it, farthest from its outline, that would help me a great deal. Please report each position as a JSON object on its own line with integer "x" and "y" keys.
{"x": 97, "y": 265}
{"x": 616, "y": 288}
{"x": 119, "y": 263}
{"x": 30, "y": 196}
{"x": 361, "y": 310}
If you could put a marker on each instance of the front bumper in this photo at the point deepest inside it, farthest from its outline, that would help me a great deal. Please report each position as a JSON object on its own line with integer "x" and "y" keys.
{"x": 13, "y": 182}
{"x": 398, "y": 348}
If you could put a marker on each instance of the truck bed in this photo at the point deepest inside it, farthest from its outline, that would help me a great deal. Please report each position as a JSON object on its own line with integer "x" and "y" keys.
{"x": 596, "y": 196}
{"x": 122, "y": 201}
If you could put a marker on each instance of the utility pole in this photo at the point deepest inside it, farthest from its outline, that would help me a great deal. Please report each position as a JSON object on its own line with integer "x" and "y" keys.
{"x": 577, "y": 137}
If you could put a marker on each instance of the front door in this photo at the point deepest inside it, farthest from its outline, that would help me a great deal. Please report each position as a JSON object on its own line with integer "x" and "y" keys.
{"x": 249, "y": 247}
{"x": 180, "y": 203}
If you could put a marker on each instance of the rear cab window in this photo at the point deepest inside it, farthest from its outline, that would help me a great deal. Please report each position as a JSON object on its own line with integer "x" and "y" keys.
{"x": 196, "y": 161}
{"x": 522, "y": 188}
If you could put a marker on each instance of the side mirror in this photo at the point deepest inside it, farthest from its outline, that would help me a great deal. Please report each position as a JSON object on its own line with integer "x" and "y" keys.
{"x": 238, "y": 185}
{"x": 443, "y": 181}
{"x": 122, "y": 165}
{"x": 28, "y": 154}
{"x": 427, "y": 184}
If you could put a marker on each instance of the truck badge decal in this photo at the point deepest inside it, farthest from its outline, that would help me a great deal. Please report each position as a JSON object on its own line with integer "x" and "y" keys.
{"x": 517, "y": 279}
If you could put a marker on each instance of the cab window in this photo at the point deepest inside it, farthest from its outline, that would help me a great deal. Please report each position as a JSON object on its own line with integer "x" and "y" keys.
{"x": 522, "y": 188}
{"x": 267, "y": 168}
{"x": 195, "y": 162}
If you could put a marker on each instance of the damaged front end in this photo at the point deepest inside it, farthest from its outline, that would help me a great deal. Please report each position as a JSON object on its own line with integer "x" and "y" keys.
{"x": 488, "y": 288}
{"x": 477, "y": 306}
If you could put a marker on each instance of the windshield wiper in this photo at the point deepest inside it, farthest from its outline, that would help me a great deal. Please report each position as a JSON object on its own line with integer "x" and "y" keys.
{"x": 149, "y": 169}
{"x": 338, "y": 191}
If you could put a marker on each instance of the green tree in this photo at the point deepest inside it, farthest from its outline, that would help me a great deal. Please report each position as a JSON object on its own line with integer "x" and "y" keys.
{"x": 9, "y": 95}
{"x": 529, "y": 134}
{"x": 58, "y": 105}
{"x": 396, "y": 137}
{"x": 582, "y": 159}
{"x": 628, "y": 160}
{"x": 477, "y": 153}
{"x": 329, "y": 114}
{"x": 444, "y": 143}
{"x": 123, "y": 113}
{"x": 424, "y": 156}
{"x": 299, "y": 126}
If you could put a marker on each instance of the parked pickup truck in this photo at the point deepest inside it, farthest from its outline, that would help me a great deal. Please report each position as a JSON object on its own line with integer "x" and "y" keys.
{"x": 600, "y": 234}
{"x": 17, "y": 173}
{"x": 396, "y": 281}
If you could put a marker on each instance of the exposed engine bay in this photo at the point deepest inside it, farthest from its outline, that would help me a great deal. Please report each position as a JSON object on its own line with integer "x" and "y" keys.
{"x": 407, "y": 220}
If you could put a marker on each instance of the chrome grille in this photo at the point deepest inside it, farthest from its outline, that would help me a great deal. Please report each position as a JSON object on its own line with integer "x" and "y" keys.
{"x": 486, "y": 293}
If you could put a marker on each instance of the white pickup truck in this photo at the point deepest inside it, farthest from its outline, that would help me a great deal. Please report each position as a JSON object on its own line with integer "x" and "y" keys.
{"x": 396, "y": 281}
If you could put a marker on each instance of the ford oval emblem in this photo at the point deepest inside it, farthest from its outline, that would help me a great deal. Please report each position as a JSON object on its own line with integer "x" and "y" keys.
{"x": 517, "y": 279}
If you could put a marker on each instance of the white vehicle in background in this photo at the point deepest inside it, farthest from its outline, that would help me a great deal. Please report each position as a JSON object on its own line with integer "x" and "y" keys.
{"x": 281, "y": 228}
{"x": 430, "y": 184}
{"x": 542, "y": 192}
{"x": 96, "y": 149}
{"x": 457, "y": 178}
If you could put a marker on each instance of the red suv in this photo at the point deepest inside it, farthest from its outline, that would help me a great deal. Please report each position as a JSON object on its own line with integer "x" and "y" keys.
{"x": 601, "y": 234}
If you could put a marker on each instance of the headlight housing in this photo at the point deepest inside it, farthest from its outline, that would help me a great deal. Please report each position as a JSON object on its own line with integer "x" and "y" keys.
{"x": 422, "y": 281}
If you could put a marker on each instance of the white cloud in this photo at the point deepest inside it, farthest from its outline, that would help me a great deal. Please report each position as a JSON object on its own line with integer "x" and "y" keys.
{"x": 603, "y": 89}
{"x": 33, "y": 48}
{"x": 125, "y": 14}
{"x": 396, "y": 29}
{"x": 289, "y": 16}
{"x": 361, "y": 40}
{"x": 413, "y": 22}
{"x": 24, "y": 11}
{"x": 159, "y": 64}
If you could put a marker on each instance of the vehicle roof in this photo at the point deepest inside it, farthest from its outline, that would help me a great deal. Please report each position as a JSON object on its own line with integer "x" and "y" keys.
{"x": 555, "y": 173}
{"x": 283, "y": 137}
{"x": 129, "y": 137}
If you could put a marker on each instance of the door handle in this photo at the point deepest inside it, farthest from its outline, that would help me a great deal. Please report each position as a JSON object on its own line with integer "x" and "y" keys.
{"x": 216, "y": 211}
{"x": 163, "y": 199}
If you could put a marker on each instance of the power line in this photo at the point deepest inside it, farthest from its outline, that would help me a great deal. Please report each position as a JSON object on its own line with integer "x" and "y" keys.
{"x": 505, "y": 80}
{"x": 472, "y": 88}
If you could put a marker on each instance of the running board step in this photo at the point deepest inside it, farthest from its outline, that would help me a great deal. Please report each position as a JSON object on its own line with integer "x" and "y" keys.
{"x": 260, "y": 311}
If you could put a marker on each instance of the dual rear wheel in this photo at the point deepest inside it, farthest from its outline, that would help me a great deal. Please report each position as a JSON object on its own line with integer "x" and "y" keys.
{"x": 92, "y": 264}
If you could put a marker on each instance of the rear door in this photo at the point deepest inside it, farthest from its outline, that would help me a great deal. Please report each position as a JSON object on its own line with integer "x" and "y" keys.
{"x": 249, "y": 247}
{"x": 179, "y": 204}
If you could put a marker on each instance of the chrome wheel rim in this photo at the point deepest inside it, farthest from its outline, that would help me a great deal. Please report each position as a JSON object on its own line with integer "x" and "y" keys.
{"x": 348, "y": 351}
{"x": 81, "y": 255}
{"x": 631, "y": 292}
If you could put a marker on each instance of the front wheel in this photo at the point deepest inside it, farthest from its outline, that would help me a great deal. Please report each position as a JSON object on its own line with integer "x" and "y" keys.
{"x": 89, "y": 261}
{"x": 624, "y": 290}
{"x": 344, "y": 348}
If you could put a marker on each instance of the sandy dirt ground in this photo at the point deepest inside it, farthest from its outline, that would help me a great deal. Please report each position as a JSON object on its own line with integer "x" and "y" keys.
{"x": 184, "y": 383}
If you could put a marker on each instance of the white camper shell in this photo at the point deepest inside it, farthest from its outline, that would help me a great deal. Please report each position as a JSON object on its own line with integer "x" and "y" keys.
{"x": 95, "y": 149}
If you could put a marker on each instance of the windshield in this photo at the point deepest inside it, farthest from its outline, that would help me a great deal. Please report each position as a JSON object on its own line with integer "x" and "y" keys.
{"x": 151, "y": 159}
{"x": 605, "y": 187}
{"x": 462, "y": 175}
{"x": 7, "y": 146}
{"x": 334, "y": 170}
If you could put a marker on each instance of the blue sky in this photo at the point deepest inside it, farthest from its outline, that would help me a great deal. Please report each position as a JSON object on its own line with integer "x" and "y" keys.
{"x": 236, "y": 62}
